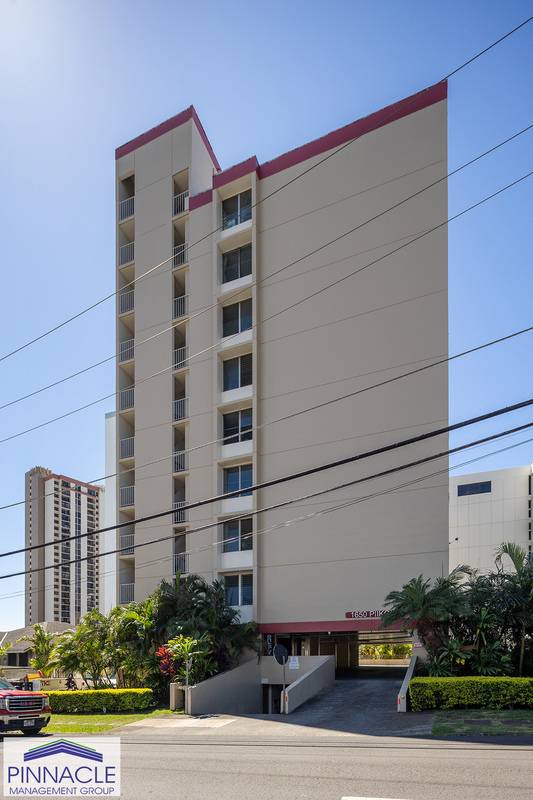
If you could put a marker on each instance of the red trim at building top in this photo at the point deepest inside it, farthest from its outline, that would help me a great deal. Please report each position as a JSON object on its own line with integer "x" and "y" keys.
{"x": 72, "y": 480}
{"x": 165, "y": 127}
{"x": 335, "y": 626}
{"x": 199, "y": 200}
{"x": 356, "y": 129}
{"x": 233, "y": 173}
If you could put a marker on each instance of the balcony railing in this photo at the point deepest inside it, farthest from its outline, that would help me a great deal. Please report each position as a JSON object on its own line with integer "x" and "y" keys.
{"x": 126, "y": 350}
{"x": 181, "y": 562}
{"x": 127, "y": 301}
{"x": 127, "y": 593}
{"x": 126, "y": 208}
{"x": 180, "y": 203}
{"x": 180, "y": 515}
{"x": 127, "y": 541}
{"x": 179, "y": 461}
{"x": 180, "y": 409}
{"x": 180, "y": 254}
{"x": 180, "y": 306}
{"x": 127, "y": 447}
{"x": 126, "y": 399}
{"x": 126, "y": 253}
{"x": 127, "y": 496}
{"x": 181, "y": 357}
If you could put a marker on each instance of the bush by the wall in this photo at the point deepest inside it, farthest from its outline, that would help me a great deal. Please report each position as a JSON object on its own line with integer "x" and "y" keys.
{"x": 93, "y": 701}
{"x": 470, "y": 692}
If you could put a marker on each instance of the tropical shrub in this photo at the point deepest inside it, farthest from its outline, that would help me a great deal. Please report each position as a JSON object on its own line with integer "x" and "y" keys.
{"x": 470, "y": 692}
{"x": 95, "y": 700}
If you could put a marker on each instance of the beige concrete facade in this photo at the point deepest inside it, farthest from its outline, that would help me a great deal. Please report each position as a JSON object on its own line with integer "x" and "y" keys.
{"x": 327, "y": 320}
{"x": 57, "y": 508}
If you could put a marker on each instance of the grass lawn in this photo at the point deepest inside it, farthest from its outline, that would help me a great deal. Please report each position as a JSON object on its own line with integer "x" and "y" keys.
{"x": 489, "y": 722}
{"x": 97, "y": 723}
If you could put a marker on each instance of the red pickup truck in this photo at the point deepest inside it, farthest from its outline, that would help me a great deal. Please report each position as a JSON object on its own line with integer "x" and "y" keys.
{"x": 24, "y": 711}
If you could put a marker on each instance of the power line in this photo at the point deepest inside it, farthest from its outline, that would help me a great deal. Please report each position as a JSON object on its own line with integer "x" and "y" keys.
{"x": 416, "y": 96}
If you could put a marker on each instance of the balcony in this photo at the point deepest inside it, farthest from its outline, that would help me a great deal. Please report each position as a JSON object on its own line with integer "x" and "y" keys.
{"x": 181, "y": 562}
{"x": 180, "y": 203}
{"x": 179, "y": 461}
{"x": 127, "y": 496}
{"x": 126, "y": 253}
{"x": 181, "y": 357}
{"x": 180, "y": 306}
{"x": 127, "y": 541}
{"x": 126, "y": 399}
{"x": 180, "y": 409}
{"x": 127, "y": 593}
{"x": 127, "y": 301}
{"x": 126, "y": 209}
{"x": 126, "y": 350}
{"x": 179, "y": 515}
{"x": 180, "y": 254}
{"x": 127, "y": 447}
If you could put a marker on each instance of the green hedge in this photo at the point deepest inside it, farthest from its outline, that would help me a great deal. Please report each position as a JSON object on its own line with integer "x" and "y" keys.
{"x": 94, "y": 700}
{"x": 471, "y": 692}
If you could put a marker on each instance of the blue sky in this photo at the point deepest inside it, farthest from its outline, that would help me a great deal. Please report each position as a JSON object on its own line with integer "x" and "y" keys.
{"x": 78, "y": 79}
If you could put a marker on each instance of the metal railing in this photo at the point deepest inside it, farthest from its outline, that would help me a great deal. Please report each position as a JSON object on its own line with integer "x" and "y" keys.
{"x": 181, "y": 562}
{"x": 127, "y": 447}
{"x": 126, "y": 253}
{"x": 181, "y": 357}
{"x": 179, "y": 461}
{"x": 180, "y": 306}
{"x": 127, "y": 301}
{"x": 127, "y": 350}
{"x": 180, "y": 515}
{"x": 126, "y": 208}
{"x": 127, "y": 496}
{"x": 180, "y": 409}
{"x": 127, "y": 540}
{"x": 180, "y": 203}
{"x": 180, "y": 254}
{"x": 127, "y": 593}
{"x": 126, "y": 399}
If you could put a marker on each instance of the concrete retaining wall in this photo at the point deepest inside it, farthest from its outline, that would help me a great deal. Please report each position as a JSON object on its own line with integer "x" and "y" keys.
{"x": 238, "y": 691}
{"x": 309, "y": 684}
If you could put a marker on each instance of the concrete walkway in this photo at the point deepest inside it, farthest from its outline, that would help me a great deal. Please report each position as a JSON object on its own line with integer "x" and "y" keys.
{"x": 359, "y": 702}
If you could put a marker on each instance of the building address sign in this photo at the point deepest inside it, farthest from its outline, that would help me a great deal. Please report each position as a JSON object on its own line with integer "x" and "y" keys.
{"x": 365, "y": 614}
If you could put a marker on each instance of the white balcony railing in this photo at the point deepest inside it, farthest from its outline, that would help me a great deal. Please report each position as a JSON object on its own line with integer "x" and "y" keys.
{"x": 127, "y": 447}
{"x": 179, "y": 461}
{"x": 180, "y": 254}
{"x": 127, "y": 350}
{"x": 126, "y": 208}
{"x": 181, "y": 562}
{"x": 127, "y": 593}
{"x": 180, "y": 514}
{"x": 127, "y": 540}
{"x": 126, "y": 399}
{"x": 181, "y": 357}
{"x": 180, "y": 409}
{"x": 127, "y": 301}
{"x": 126, "y": 253}
{"x": 180, "y": 306}
{"x": 127, "y": 496}
{"x": 180, "y": 203}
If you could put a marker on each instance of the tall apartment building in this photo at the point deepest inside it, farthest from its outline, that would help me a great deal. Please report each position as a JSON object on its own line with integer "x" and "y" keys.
{"x": 486, "y": 509}
{"x": 57, "y": 508}
{"x": 245, "y": 312}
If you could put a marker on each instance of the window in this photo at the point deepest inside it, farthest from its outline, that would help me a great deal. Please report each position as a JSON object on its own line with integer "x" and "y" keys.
{"x": 239, "y": 589}
{"x": 237, "y": 372}
{"x": 237, "y": 209}
{"x": 237, "y": 317}
{"x": 237, "y": 263}
{"x": 238, "y": 478}
{"x": 474, "y": 488}
{"x": 238, "y": 426}
{"x": 237, "y": 535}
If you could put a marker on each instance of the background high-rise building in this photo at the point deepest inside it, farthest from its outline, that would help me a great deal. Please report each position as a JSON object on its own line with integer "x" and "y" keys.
{"x": 57, "y": 508}
{"x": 250, "y": 301}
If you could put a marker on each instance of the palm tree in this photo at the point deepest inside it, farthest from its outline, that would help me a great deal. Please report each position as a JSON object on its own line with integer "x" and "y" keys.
{"x": 516, "y": 591}
{"x": 426, "y": 607}
{"x": 42, "y": 645}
